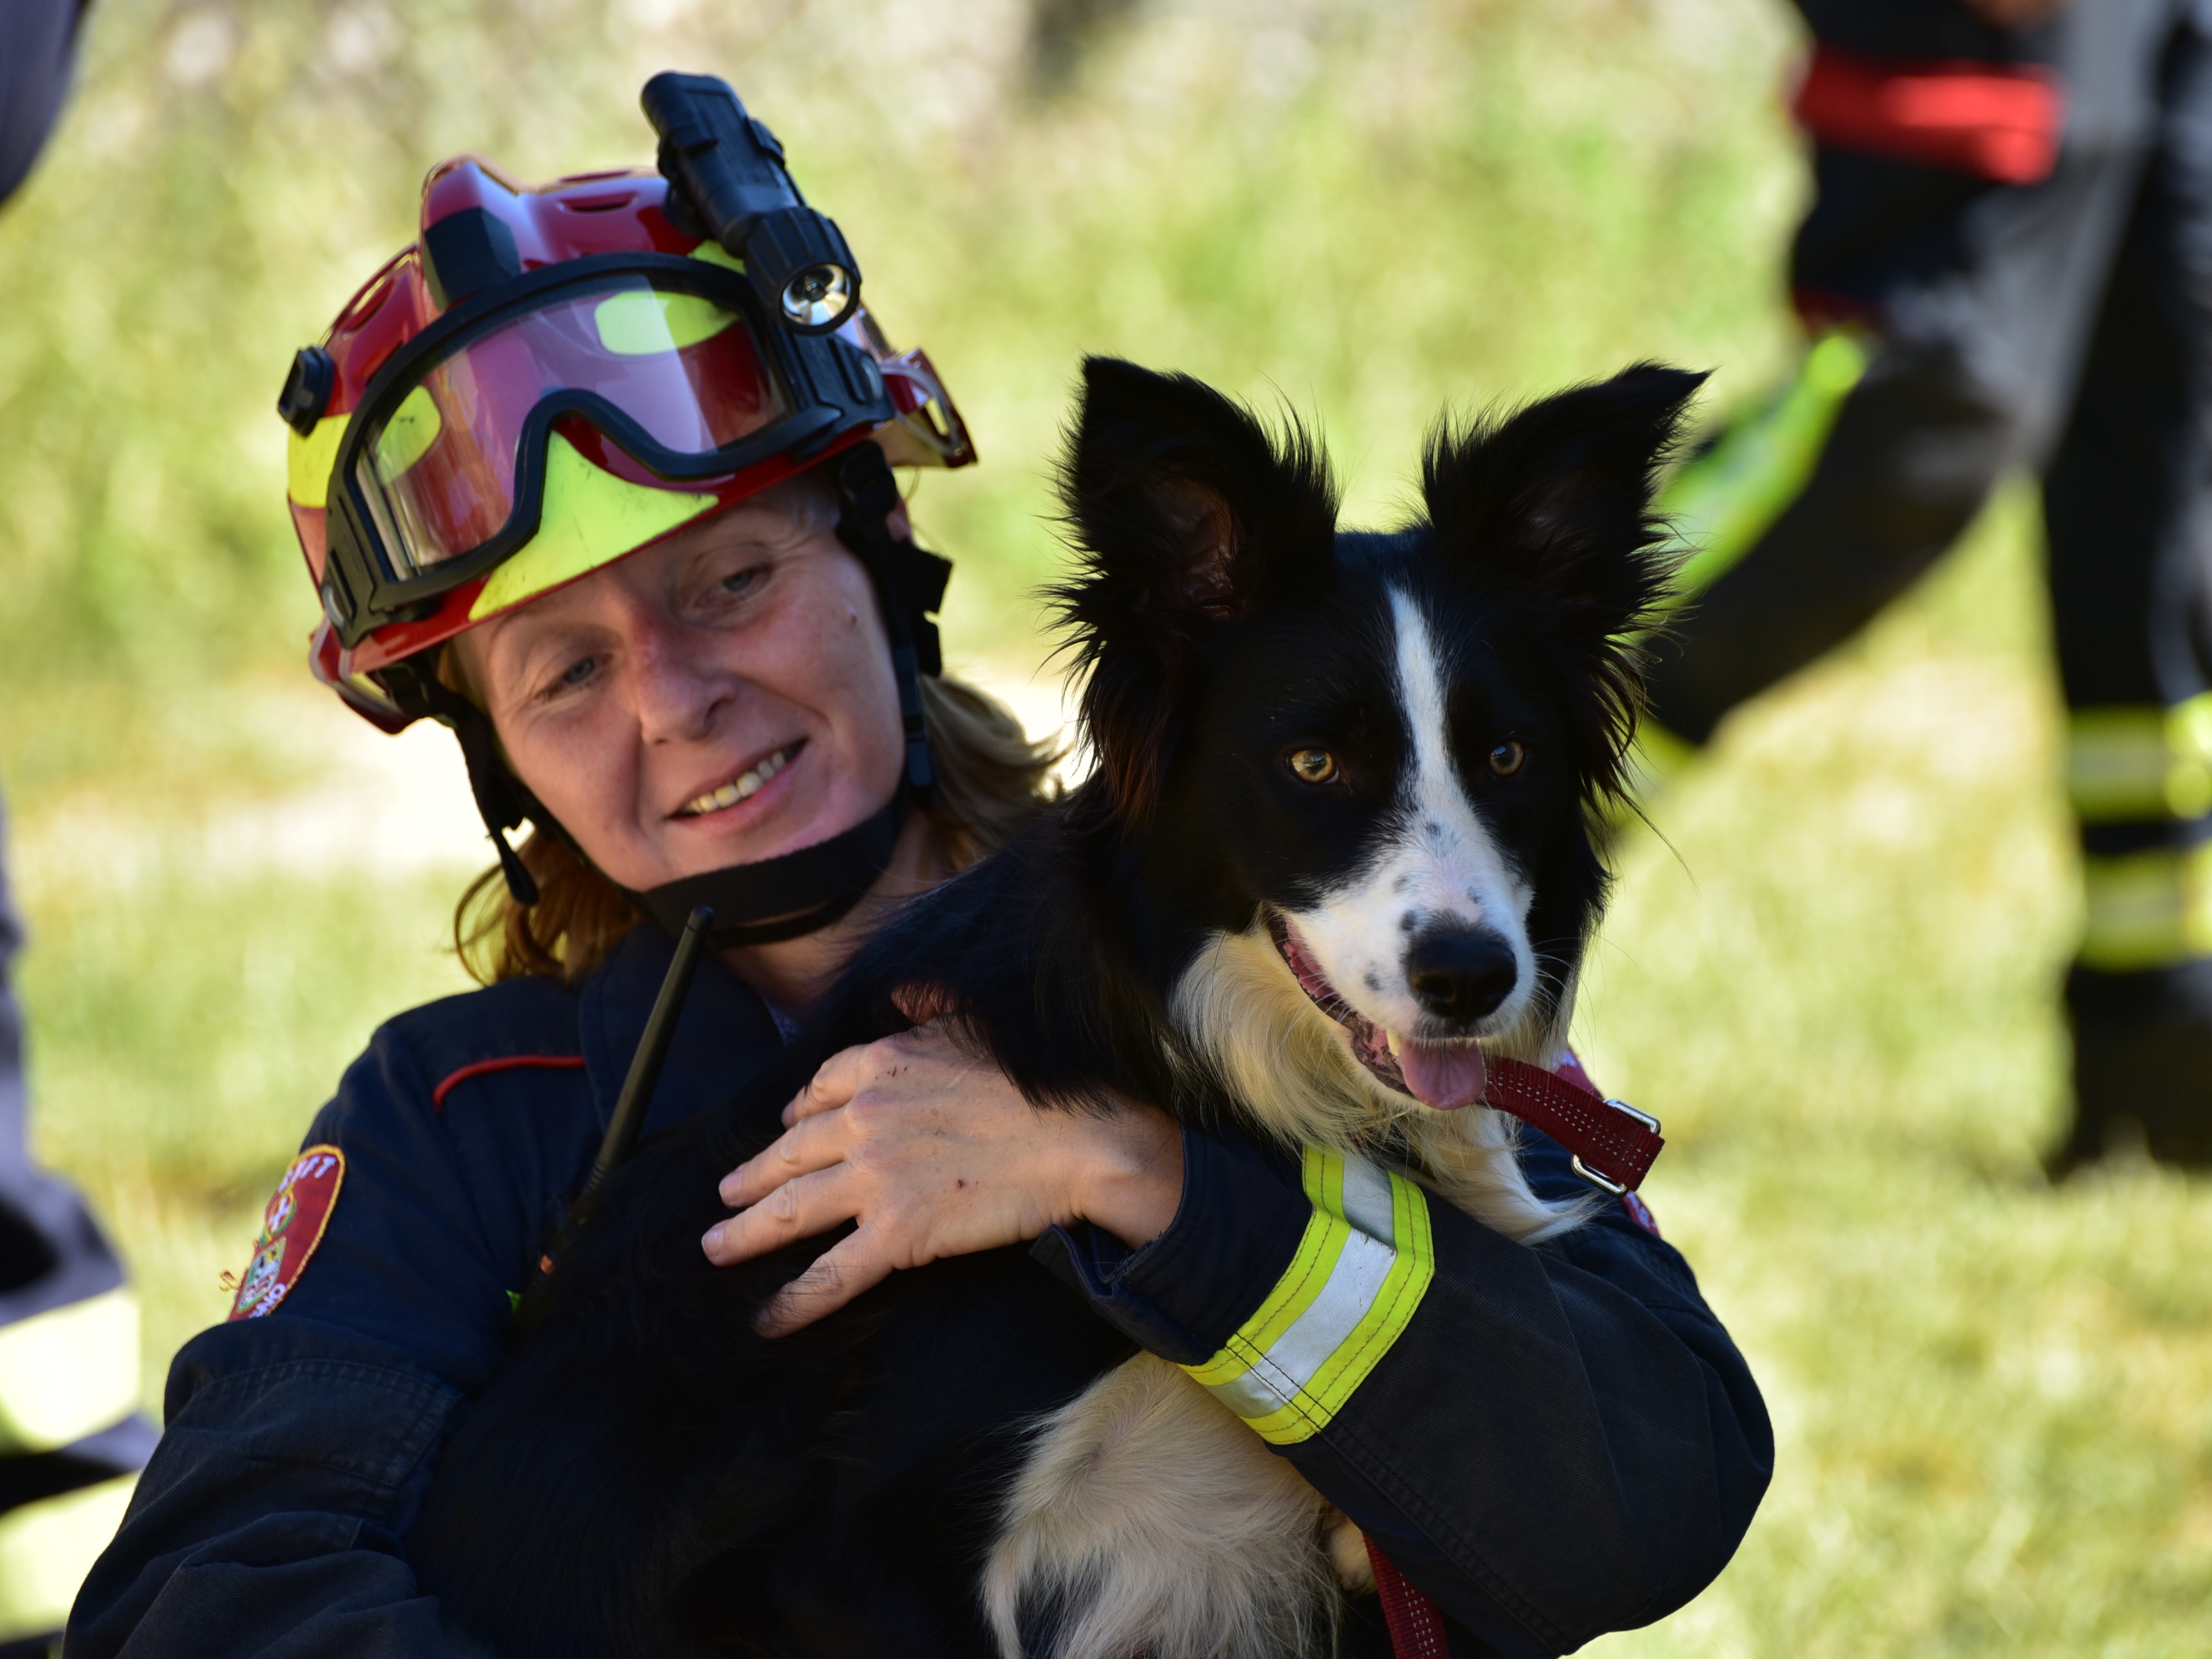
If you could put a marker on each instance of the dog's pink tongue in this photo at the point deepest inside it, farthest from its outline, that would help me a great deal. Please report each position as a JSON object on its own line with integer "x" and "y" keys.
{"x": 1443, "y": 1076}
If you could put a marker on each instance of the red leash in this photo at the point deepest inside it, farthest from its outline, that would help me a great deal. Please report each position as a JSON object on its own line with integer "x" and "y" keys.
{"x": 1613, "y": 1145}
{"x": 1416, "y": 1629}
{"x": 1612, "y": 1142}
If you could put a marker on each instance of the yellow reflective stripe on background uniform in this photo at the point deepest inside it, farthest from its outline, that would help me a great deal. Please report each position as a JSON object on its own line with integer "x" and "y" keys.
{"x": 1722, "y": 501}
{"x": 1364, "y": 1264}
{"x": 68, "y": 1372}
{"x": 47, "y": 1548}
{"x": 2140, "y": 764}
{"x": 2148, "y": 910}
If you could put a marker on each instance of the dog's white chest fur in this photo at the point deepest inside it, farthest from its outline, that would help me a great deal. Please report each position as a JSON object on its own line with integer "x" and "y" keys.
{"x": 1149, "y": 1521}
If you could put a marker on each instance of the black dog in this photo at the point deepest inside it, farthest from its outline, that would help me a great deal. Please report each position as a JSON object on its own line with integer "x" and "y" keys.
{"x": 1337, "y": 834}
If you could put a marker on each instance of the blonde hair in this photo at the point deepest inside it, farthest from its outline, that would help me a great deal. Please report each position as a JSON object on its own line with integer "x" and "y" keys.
{"x": 991, "y": 779}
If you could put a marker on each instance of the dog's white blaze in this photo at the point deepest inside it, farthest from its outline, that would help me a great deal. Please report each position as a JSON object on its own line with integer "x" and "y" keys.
{"x": 1437, "y": 862}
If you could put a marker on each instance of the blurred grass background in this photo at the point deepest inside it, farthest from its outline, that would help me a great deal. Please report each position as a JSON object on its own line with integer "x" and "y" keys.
{"x": 1833, "y": 978}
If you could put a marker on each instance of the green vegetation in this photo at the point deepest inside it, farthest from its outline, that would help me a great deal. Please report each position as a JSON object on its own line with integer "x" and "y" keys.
{"x": 1994, "y": 1402}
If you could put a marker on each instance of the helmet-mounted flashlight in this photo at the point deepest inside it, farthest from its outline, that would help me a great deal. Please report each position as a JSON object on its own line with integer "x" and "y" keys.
{"x": 727, "y": 169}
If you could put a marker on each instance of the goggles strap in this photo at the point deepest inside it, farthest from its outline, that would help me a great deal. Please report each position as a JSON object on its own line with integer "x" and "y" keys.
{"x": 822, "y": 882}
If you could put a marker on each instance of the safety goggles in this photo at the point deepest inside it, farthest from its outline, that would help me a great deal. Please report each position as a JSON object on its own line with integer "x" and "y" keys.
{"x": 442, "y": 474}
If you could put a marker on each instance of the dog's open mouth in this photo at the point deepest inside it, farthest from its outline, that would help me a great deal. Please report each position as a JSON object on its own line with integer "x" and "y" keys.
{"x": 1441, "y": 1076}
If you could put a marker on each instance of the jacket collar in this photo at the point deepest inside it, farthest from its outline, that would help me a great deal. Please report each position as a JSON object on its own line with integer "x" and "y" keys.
{"x": 724, "y": 1036}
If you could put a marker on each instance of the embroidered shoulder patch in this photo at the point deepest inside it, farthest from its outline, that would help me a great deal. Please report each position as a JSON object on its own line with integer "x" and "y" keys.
{"x": 291, "y": 1227}
{"x": 1640, "y": 1213}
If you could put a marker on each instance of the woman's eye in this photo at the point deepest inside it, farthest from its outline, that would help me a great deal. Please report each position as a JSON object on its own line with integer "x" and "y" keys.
{"x": 736, "y": 585}
{"x": 574, "y": 675}
{"x": 1506, "y": 759}
{"x": 1313, "y": 765}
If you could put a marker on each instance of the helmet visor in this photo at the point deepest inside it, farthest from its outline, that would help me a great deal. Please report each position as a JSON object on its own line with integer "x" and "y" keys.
{"x": 665, "y": 369}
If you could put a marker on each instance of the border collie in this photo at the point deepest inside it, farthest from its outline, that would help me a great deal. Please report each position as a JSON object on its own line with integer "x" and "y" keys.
{"x": 1337, "y": 846}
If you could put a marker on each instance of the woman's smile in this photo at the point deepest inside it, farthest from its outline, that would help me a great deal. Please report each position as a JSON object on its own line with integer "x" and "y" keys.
{"x": 748, "y": 784}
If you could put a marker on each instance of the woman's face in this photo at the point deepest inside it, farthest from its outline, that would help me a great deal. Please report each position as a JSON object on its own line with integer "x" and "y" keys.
{"x": 721, "y": 698}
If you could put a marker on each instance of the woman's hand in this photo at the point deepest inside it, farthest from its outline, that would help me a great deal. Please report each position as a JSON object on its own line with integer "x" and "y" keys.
{"x": 935, "y": 1153}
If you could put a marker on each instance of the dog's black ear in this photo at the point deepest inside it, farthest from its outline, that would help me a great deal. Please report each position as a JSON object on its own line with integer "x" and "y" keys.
{"x": 1555, "y": 500}
{"x": 1186, "y": 514}
{"x": 1553, "y": 505}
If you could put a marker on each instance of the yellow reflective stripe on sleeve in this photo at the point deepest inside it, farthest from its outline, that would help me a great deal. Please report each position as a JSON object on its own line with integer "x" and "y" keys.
{"x": 308, "y": 461}
{"x": 1361, "y": 1268}
{"x": 47, "y": 1548}
{"x": 2148, "y": 909}
{"x": 68, "y": 1372}
{"x": 2138, "y": 764}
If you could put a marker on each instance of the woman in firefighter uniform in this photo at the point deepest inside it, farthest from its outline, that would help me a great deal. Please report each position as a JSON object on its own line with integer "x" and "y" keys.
{"x": 568, "y": 482}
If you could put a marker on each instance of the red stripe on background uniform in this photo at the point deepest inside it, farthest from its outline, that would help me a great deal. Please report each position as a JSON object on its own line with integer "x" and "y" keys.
{"x": 1997, "y": 121}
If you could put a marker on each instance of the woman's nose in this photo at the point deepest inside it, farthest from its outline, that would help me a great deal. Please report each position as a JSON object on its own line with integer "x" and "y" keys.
{"x": 675, "y": 686}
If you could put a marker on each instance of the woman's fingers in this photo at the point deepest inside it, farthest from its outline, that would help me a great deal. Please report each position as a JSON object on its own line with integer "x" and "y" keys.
{"x": 935, "y": 1152}
{"x": 839, "y": 1274}
{"x": 798, "y": 1208}
{"x": 814, "y": 1143}
{"x": 842, "y": 1076}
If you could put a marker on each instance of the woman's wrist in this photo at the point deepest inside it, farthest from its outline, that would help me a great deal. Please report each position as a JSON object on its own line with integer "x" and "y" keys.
{"x": 1131, "y": 1183}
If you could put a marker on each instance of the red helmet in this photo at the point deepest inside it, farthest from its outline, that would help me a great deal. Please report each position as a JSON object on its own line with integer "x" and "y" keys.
{"x": 549, "y": 379}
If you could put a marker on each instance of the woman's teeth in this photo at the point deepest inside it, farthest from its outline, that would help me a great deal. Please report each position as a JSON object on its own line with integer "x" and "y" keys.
{"x": 731, "y": 793}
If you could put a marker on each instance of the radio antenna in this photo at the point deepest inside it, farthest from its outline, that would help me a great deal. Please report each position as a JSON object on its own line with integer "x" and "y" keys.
{"x": 652, "y": 1051}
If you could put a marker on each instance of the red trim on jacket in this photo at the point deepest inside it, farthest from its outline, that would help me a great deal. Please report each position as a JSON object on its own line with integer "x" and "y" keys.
{"x": 1996, "y": 121}
{"x": 504, "y": 1063}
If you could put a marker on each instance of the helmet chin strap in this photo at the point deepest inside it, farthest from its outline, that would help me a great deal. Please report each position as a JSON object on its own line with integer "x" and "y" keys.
{"x": 501, "y": 800}
{"x": 797, "y": 893}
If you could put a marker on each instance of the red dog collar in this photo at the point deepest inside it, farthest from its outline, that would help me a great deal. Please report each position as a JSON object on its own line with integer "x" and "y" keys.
{"x": 1612, "y": 1142}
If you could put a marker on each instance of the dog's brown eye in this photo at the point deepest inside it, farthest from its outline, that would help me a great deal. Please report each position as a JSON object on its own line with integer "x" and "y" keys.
{"x": 1506, "y": 759}
{"x": 1313, "y": 765}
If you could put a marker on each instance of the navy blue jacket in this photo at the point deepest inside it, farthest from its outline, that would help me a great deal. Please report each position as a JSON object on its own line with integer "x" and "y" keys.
{"x": 1562, "y": 1441}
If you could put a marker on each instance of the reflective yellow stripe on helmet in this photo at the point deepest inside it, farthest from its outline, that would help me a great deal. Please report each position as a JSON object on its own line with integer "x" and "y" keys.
{"x": 2148, "y": 909}
{"x": 2132, "y": 763}
{"x": 1361, "y": 1269}
{"x": 47, "y": 1548}
{"x": 308, "y": 461}
{"x": 589, "y": 518}
{"x": 68, "y": 1372}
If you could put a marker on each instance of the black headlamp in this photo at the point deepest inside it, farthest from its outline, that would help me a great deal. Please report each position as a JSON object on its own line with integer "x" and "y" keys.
{"x": 728, "y": 169}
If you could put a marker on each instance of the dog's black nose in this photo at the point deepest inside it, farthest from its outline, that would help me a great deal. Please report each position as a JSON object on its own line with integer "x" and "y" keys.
{"x": 1460, "y": 974}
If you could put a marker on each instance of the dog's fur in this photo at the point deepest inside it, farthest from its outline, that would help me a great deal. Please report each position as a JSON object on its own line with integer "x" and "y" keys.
{"x": 967, "y": 1454}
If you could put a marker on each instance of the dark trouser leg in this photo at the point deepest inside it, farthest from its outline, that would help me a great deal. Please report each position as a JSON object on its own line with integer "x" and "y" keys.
{"x": 1907, "y": 465}
{"x": 2129, "y": 507}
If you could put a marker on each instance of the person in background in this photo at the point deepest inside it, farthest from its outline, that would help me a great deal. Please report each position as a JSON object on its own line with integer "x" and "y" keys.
{"x": 2008, "y": 263}
{"x": 71, "y": 1441}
